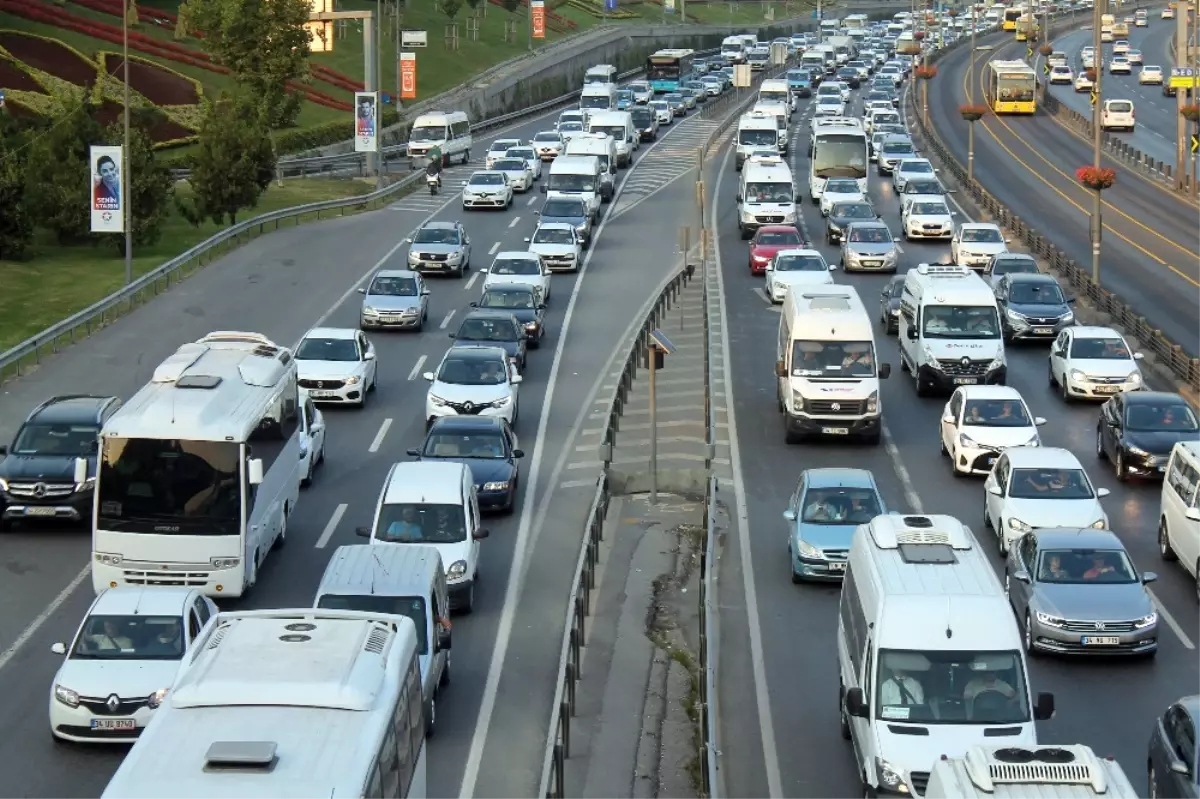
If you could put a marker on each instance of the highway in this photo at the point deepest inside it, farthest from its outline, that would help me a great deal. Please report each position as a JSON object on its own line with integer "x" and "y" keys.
{"x": 1150, "y": 254}
{"x": 491, "y": 728}
{"x": 780, "y": 723}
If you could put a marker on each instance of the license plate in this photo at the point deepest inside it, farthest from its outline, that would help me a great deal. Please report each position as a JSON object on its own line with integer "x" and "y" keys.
{"x": 322, "y": 394}
{"x": 965, "y": 381}
{"x": 40, "y": 511}
{"x": 114, "y": 724}
{"x": 1100, "y": 640}
{"x": 837, "y": 567}
{"x": 1044, "y": 331}
{"x": 432, "y": 264}
{"x": 872, "y": 263}
{"x": 836, "y": 431}
{"x": 1107, "y": 389}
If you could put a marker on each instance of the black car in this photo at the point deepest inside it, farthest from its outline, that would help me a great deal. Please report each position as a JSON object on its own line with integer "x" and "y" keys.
{"x": 1171, "y": 768}
{"x": 494, "y": 329}
{"x": 40, "y": 477}
{"x": 843, "y": 214}
{"x": 485, "y": 444}
{"x": 889, "y": 304}
{"x": 1032, "y": 306}
{"x": 849, "y": 76}
{"x": 522, "y": 302}
{"x": 1009, "y": 263}
{"x": 645, "y": 122}
{"x": 1138, "y": 429}
{"x": 570, "y": 211}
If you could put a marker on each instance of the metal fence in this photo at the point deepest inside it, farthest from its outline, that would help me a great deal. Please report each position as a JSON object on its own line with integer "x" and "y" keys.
{"x": 1172, "y": 356}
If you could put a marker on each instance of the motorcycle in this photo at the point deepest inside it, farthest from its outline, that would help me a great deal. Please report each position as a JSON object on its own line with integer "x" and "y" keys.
{"x": 434, "y": 180}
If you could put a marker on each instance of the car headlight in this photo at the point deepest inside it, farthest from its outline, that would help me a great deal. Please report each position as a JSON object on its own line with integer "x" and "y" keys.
{"x": 1018, "y": 525}
{"x": 500, "y": 403}
{"x": 1135, "y": 450}
{"x": 66, "y": 696}
{"x": 889, "y": 776}
{"x": 457, "y": 569}
{"x": 1050, "y": 621}
{"x": 109, "y": 560}
{"x": 1099, "y": 524}
{"x": 499, "y": 485}
{"x": 224, "y": 563}
{"x": 1013, "y": 315}
{"x": 931, "y": 359}
{"x": 798, "y": 401}
{"x": 1146, "y": 621}
{"x": 996, "y": 363}
{"x": 352, "y": 380}
{"x": 531, "y": 325}
{"x": 1067, "y": 317}
{"x": 967, "y": 441}
{"x": 3, "y": 484}
{"x": 807, "y": 550}
{"x": 1075, "y": 374}
{"x": 411, "y": 311}
{"x": 1134, "y": 378}
{"x": 1036, "y": 441}
{"x": 436, "y": 401}
{"x": 873, "y": 402}
{"x": 155, "y": 699}
{"x": 86, "y": 485}
{"x": 368, "y": 311}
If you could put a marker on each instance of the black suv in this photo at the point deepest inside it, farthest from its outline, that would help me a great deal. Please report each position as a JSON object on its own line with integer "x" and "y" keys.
{"x": 37, "y": 472}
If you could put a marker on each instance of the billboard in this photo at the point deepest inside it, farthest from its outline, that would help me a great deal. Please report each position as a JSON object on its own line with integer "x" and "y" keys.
{"x": 408, "y": 76}
{"x": 366, "y": 122}
{"x": 108, "y": 207}
{"x": 538, "y": 8}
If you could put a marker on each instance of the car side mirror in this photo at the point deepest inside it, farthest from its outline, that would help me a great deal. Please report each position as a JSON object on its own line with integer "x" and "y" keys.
{"x": 885, "y": 371}
{"x": 369, "y": 355}
{"x": 543, "y": 188}
{"x": 739, "y": 197}
{"x": 1149, "y": 577}
{"x": 1008, "y": 241}
{"x": 1192, "y": 514}
{"x": 780, "y": 369}
{"x": 526, "y": 239}
{"x": 1137, "y": 356}
{"x": 948, "y": 419}
{"x": 1043, "y": 708}
{"x": 480, "y": 534}
{"x": 408, "y": 241}
{"x": 790, "y": 515}
{"x": 912, "y": 334}
{"x": 995, "y": 491}
{"x": 59, "y": 648}
{"x": 425, "y": 292}
{"x": 254, "y": 471}
{"x": 1179, "y": 767}
{"x": 362, "y": 290}
{"x": 855, "y": 706}
{"x": 1070, "y": 300}
{"x": 1102, "y": 492}
{"x": 413, "y": 453}
{"x": 453, "y": 335}
{"x": 443, "y": 639}
{"x": 303, "y": 450}
{"x": 518, "y": 453}
{"x": 362, "y": 532}
{"x": 428, "y": 376}
{"x": 474, "y": 305}
{"x": 1021, "y": 575}
{"x": 517, "y": 379}
{"x": 541, "y": 306}
{"x": 81, "y": 471}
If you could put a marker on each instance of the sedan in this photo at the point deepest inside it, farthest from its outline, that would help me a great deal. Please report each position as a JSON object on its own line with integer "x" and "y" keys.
{"x": 768, "y": 241}
{"x": 699, "y": 90}
{"x": 337, "y": 365}
{"x": 558, "y": 245}
{"x": 850, "y": 77}
{"x": 473, "y": 381}
{"x": 889, "y": 304}
{"x": 840, "y": 190}
{"x": 798, "y": 267}
{"x": 642, "y": 93}
{"x": 689, "y": 98}
{"x": 1061, "y": 74}
{"x": 892, "y": 151}
{"x": 525, "y": 268}
{"x": 523, "y": 303}
{"x": 517, "y": 171}
{"x": 1120, "y": 46}
{"x": 1032, "y": 489}
{"x": 530, "y": 156}
{"x": 494, "y": 328}
{"x": 843, "y": 214}
{"x": 487, "y": 446}
{"x": 927, "y": 218}
{"x": 487, "y": 189}
{"x": 713, "y": 84}
{"x": 569, "y": 130}
{"x": 662, "y": 111}
{"x": 1093, "y": 363}
{"x": 826, "y": 508}
{"x": 1171, "y": 767}
{"x": 498, "y": 149}
{"x": 1135, "y": 57}
{"x": 868, "y": 247}
{"x": 1077, "y": 592}
{"x": 439, "y": 247}
{"x": 979, "y": 422}
{"x": 1084, "y": 82}
{"x": 312, "y": 439}
{"x": 572, "y": 211}
{"x": 1120, "y": 66}
{"x": 1138, "y": 429}
{"x": 549, "y": 144}
{"x": 1032, "y": 307}
{"x": 122, "y": 660}
{"x": 1151, "y": 76}
{"x": 394, "y": 299}
{"x": 678, "y": 105}
{"x": 625, "y": 99}
{"x": 974, "y": 244}
{"x": 1010, "y": 263}
{"x": 830, "y": 107}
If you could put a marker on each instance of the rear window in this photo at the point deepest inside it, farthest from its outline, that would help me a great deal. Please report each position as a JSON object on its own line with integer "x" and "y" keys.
{"x": 1120, "y": 106}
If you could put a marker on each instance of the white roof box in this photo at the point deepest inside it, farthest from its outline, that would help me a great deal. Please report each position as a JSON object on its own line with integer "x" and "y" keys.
{"x": 1006, "y": 772}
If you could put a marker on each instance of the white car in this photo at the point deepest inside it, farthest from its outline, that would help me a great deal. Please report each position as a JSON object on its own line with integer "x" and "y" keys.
{"x": 337, "y": 365}
{"x": 1083, "y": 83}
{"x": 1120, "y": 66}
{"x": 798, "y": 267}
{"x": 1057, "y": 59}
{"x": 569, "y": 130}
{"x": 1032, "y": 488}
{"x": 487, "y": 189}
{"x": 558, "y": 245}
{"x": 530, "y": 156}
{"x": 840, "y": 190}
{"x": 662, "y": 111}
{"x": 312, "y": 443}
{"x": 974, "y": 244}
{"x": 1061, "y": 74}
{"x": 572, "y": 115}
{"x": 1087, "y": 57}
{"x": 1168, "y": 13}
{"x": 1089, "y": 362}
{"x": 1117, "y": 114}
{"x": 1141, "y": 21}
{"x": 927, "y": 217}
{"x": 980, "y": 422}
{"x": 473, "y": 381}
{"x": 642, "y": 93}
{"x": 516, "y": 171}
{"x": 843, "y": 87}
{"x": 1135, "y": 57}
{"x": 912, "y": 169}
{"x": 1120, "y": 46}
{"x": 874, "y": 105}
{"x": 498, "y": 149}
{"x": 525, "y": 268}
{"x": 1152, "y": 76}
{"x": 548, "y": 143}
{"x": 122, "y": 660}
{"x": 830, "y": 107}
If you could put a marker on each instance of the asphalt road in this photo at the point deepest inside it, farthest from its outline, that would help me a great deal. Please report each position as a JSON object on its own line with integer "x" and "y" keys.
{"x": 794, "y": 748}
{"x": 281, "y": 285}
{"x": 1150, "y": 254}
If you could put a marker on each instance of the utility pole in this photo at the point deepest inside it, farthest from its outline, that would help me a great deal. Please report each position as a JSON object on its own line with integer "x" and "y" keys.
{"x": 1194, "y": 60}
{"x": 1097, "y": 110}
{"x": 971, "y": 101}
{"x": 399, "y": 77}
{"x": 370, "y": 64}
{"x": 820, "y": 19}
{"x": 126, "y": 183}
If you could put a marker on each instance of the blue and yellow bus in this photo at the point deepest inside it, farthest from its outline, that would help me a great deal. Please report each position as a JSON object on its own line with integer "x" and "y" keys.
{"x": 1011, "y": 15}
{"x": 1011, "y": 87}
{"x": 666, "y": 70}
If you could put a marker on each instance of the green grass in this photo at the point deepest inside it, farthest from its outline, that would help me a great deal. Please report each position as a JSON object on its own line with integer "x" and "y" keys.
{"x": 55, "y": 282}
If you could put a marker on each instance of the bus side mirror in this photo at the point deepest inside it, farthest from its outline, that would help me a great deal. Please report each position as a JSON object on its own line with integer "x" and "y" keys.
{"x": 855, "y": 706}
{"x": 780, "y": 369}
{"x": 543, "y": 188}
{"x": 81, "y": 471}
{"x": 1043, "y": 708}
{"x": 254, "y": 471}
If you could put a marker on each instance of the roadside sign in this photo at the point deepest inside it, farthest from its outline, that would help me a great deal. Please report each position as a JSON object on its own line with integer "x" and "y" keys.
{"x": 1093, "y": 97}
{"x": 1046, "y": 68}
{"x": 1195, "y": 144}
{"x": 741, "y": 76}
{"x": 1029, "y": 52}
{"x": 1184, "y": 78}
{"x": 411, "y": 39}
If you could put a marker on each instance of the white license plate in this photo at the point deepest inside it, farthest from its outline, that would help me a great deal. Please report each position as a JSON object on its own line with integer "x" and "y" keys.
{"x": 837, "y": 567}
{"x": 1107, "y": 389}
{"x": 836, "y": 431}
{"x": 1044, "y": 331}
{"x": 40, "y": 511}
{"x": 114, "y": 724}
{"x": 872, "y": 263}
{"x": 322, "y": 394}
{"x": 1100, "y": 640}
{"x": 432, "y": 264}
{"x": 965, "y": 381}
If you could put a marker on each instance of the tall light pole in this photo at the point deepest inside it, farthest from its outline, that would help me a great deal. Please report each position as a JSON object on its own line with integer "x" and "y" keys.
{"x": 1097, "y": 110}
{"x": 127, "y": 201}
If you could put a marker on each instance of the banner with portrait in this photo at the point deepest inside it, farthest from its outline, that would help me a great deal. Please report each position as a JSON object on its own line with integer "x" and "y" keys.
{"x": 366, "y": 122}
{"x": 108, "y": 209}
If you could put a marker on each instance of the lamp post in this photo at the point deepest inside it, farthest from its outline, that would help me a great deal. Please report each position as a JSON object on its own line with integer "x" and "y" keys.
{"x": 1097, "y": 108}
{"x": 126, "y": 183}
{"x": 971, "y": 98}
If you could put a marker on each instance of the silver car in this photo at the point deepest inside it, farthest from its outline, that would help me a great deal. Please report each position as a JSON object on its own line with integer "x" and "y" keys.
{"x": 440, "y": 248}
{"x": 517, "y": 170}
{"x": 549, "y": 144}
{"x": 868, "y": 247}
{"x": 1077, "y": 592}
{"x": 394, "y": 299}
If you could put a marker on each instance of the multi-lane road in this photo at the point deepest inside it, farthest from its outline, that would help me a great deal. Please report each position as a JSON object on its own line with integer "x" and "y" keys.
{"x": 780, "y": 722}
{"x": 492, "y": 722}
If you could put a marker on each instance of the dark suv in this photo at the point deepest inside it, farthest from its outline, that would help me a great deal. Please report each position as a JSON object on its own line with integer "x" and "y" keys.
{"x": 37, "y": 472}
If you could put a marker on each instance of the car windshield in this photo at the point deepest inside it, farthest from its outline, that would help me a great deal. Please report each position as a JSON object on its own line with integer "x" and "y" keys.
{"x": 411, "y": 606}
{"x": 487, "y": 180}
{"x": 1159, "y": 417}
{"x": 1100, "y": 349}
{"x": 659, "y": 105}
{"x": 758, "y": 136}
{"x": 930, "y": 209}
{"x": 502, "y": 145}
{"x": 547, "y": 137}
{"x": 486, "y": 330}
{"x": 769, "y": 193}
{"x": 897, "y": 148}
{"x": 961, "y": 321}
{"x": 563, "y": 208}
{"x": 553, "y": 236}
{"x": 57, "y": 439}
{"x": 829, "y": 90}
{"x": 1120, "y": 106}
{"x": 896, "y": 289}
{"x": 869, "y": 235}
{"x": 842, "y": 187}
{"x": 571, "y": 127}
{"x": 428, "y": 133}
{"x": 130, "y": 638}
{"x": 839, "y": 359}
{"x": 982, "y": 235}
{"x": 1009, "y": 266}
{"x": 516, "y": 266}
{"x": 777, "y": 238}
{"x": 917, "y": 167}
{"x": 488, "y": 445}
{"x": 524, "y": 153}
{"x": 996, "y": 413}
{"x": 419, "y": 523}
{"x": 393, "y": 287}
{"x": 509, "y": 165}
{"x": 1040, "y": 293}
{"x": 327, "y": 349}
{"x": 886, "y": 119}
{"x": 437, "y": 235}
{"x": 1049, "y": 484}
{"x": 948, "y": 687}
{"x": 852, "y": 211}
{"x": 510, "y": 300}
{"x": 472, "y": 371}
{"x": 840, "y": 505}
{"x": 800, "y": 263}
{"x": 1082, "y": 566}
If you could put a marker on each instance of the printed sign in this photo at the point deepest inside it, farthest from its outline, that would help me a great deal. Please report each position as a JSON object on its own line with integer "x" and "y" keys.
{"x": 366, "y": 122}
{"x": 408, "y": 76}
{"x": 538, "y": 9}
{"x": 412, "y": 39}
{"x": 108, "y": 210}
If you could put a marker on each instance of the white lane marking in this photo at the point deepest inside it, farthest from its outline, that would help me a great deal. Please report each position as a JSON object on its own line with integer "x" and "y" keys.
{"x": 762, "y": 295}
{"x": 446, "y": 321}
{"x": 42, "y": 617}
{"x": 334, "y": 521}
{"x": 532, "y": 200}
{"x": 762, "y": 699}
{"x": 416, "y": 370}
{"x": 514, "y": 221}
{"x": 1166, "y": 616}
{"x": 383, "y": 431}
{"x": 354, "y": 287}
{"x": 471, "y": 281}
{"x": 910, "y": 491}
{"x": 495, "y": 249}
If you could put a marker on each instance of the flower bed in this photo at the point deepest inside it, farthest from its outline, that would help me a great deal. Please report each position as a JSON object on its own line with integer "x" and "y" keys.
{"x": 1190, "y": 112}
{"x": 49, "y": 56}
{"x": 1096, "y": 178}
{"x": 13, "y": 78}
{"x": 160, "y": 129}
{"x": 157, "y": 84}
{"x": 18, "y": 110}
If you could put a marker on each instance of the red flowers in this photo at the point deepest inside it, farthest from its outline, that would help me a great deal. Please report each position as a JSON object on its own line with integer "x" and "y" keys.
{"x": 1096, "y": 178}
{"x": 972, "y": 112}
{"x": 919, "y": 35}
{"x": 1190, "y": 112}
{"x": 1045, "y": 49}
{"x": 925, "y": 73}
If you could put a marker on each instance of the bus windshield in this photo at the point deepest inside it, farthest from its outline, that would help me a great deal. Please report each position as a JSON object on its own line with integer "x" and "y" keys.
{"x": 1015, "y": 87}
{"x": 840, "y": 155}
{"x": 662, "y": 71}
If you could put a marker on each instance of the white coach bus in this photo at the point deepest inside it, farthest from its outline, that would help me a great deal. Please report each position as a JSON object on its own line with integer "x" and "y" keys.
{"x": 200, "y": 470}
{"x": 287, "y": 704}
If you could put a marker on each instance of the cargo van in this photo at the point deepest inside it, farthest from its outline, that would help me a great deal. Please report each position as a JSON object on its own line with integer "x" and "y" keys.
{"x": 766, "y": 195}
{"x": 598, "y": 97}
{"x": 776, "y": 92}
{"x": 400, "y": 581}
{"x": 1179, "y": 517}
{"x": 619, "y": 125}
{"x": 576, "y": 176}
{"x": 733, "y": 50}
{"x": 449, "y": 130}
{"x": 601, "y": 73}
{"x": 755, "y": 132}
{"x": 781, "y": 116}
{"x": 602, "y": 146}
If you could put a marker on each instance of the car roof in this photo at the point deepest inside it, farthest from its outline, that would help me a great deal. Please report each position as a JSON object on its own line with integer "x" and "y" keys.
{"x": 1078, "y": 538}
{"x": 1094, "y": 331}
{"x": 396, "y": 273}
{"x": 799, "y": 251}
{"x": 978, "y": 226}
{"x": 510, "y": 288}
{"x": 1029, "y": 277}
{"x": 439, "y": 224}
{"x": 1042, "y": 457}
{"x": 834, "y": 477}
{"x": 332, "y": 332}
{"x": 159, "y": 600}
{"x": 476, "y": 352}
{"x": 555, "y": 226}
{"x": 991, "y": 393}
{"x": 1014, "y": 256}
{"x": 869, "y": 223}
{"x": 1152, "y": 397}
{"x": 512, "y": 160}
{"x": 498, "y": 143}
{"x": 485, "y": 172}
{"x": 487, "y": 313}
{"x": 471, "y": 423}
{"x": 516, "y": 255}
{"x": 779, "y": 229}
{"x": 70, "y": 409}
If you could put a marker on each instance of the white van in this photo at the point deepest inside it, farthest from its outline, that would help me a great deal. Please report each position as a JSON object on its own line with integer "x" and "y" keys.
{"x": 603, "y": 147}
{"x": 780, "y": 114}
{"x": 449, "y": 130}
{"x": 1179, "y": 517}
{"x": 949, "y": 329}
{"x": 766, "y": 195}
{"x": 432, "y": 503}
{"x": 601, "y": 73}
{"x": 576, "y": 176}
{"x": 399, "y": 581}
{"x": 827, "y": 375}
{"x": 776, "y": 92}
{"x": 598, "y": 97}
{"x": 1118, "y": 115}
{"x": 619, "y": 125}
{"x": 755, "y": 132}
{"x": 929, "y": 654}
{"x": 733, "y": 50}
{"x": 1000, "y": 771}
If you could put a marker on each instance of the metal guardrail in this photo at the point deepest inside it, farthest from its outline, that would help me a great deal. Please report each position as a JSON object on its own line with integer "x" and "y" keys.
{"x": 1181, "y": 364}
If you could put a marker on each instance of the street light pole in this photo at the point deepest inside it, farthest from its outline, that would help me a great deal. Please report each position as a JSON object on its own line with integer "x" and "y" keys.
{"x": 127, "y": 203}
{"x": 1097, "y": 111}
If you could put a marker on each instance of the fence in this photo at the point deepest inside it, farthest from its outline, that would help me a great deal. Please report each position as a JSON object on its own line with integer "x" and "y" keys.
{"x": 1169, "y": 354}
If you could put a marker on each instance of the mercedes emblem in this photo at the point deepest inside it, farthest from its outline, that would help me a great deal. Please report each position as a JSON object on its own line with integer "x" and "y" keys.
{"x": 113, "y": 703}
{"x": 39, "y": 490}
{"x": 966, "y": 361}
{"x": 468, "y": 406}
{"x": 837, "y": 406}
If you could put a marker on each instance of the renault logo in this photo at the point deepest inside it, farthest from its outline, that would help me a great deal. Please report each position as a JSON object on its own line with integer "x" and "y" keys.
{"x": 468, "y": 406}
{"x": 39, "y": 490}
{"x": 113, "y": 703}
{"x": 1099, "y": 625}
{"x": 320, "y": 384}
{"x": 837, "y": 406}
{"x": 966, "y": 361}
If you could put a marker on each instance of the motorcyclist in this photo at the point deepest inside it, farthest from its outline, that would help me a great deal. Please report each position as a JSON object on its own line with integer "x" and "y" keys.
{"x": 434, "y": 170}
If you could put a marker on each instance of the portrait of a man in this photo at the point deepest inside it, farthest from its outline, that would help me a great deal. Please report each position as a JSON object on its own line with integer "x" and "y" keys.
{"x": 106, "y": 188}
{"x": 365, "y": 117}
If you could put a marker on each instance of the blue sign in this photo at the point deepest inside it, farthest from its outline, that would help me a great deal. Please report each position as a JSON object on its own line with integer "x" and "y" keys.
{"x": 1183, "y": 72}
{"x": 610, "y": 5}
{"x": 1, "y": 98}
{"x": 387, "y": 98}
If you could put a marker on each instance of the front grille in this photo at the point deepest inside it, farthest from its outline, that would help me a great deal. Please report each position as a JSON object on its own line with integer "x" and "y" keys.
{"x": 39, "y": 491}
{"x": 326, "y": 385}
{"x": 80, "y": 731}
{"x": 964, "y": 367}
{"x": 835, "y": 554}
{"x": 932, "y": 227}
{"x": 1039, "y": 320}
{"x": 468, "y": 408}
{"x": 1090, "y": 628}
{"x": 919, "y": 780}
{"x": 835, "y": 408}
{"x": 769, "y": 219}
{"x": 99, "y": 707}
{"x": 433, "y": 256}
{"x": 1105, "y": 380}
{"x": 134, "y": 577}
{"x": 985, "y": 461}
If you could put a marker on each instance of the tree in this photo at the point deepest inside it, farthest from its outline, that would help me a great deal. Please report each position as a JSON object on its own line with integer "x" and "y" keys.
{"x": 511, "y": 6}
{"x": 16, "y": 227}
{"x": 234, "y": 160}
{"x": 264, "y": 45}
{"x": 181, "y": 28}
{"x": 475, "y": 5}
{"x": 450, "y": 8}
{"x": 57, "y": 175}
{"x": 131, "y": 14}
{"x": 150, "y": 183}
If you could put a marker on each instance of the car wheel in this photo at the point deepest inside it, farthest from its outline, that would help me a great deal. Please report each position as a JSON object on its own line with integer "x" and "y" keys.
{"x": 1002, "y": 541}
{"x": 1027, "y": 635}
{"x": 1119, "y": 467}
{"x": 987, "y": 519}
{"x": 1100, "y": 453}
{"x": 942, "y": 445}
{"x": 307, "y": 480}
{"x": 1063, "y": 391}
{"x": 1164, "y": 543}
{"x": 468, "y": 604}
{"x": 843, "y": 719}
{"x": 1050, "y": 375}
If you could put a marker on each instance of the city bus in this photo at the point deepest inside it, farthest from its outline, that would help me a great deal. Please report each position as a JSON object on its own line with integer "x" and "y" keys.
{"x": 1011, "y": 15}
{"x": 1011, "y": 87}
{"x": 667, "y": 69}
{"x": 1028, "y": 28}
{"x": 856, "y": 22}
{"x": 200, "y": 470}
{"x": 288, "y": 703}
{"x": 838, "y": 148}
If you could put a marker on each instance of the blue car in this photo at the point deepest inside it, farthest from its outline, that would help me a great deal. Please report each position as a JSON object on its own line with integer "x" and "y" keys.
{"x": 826, "y": 507}
{"x": 625, "y": 99}
{"x": 800, "y": 82}
{"x": 487, "y": 446}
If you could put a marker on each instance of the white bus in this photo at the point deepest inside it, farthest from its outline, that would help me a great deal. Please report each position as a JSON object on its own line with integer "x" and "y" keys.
{"x": 287, "y": 704}
{"x": 856, "y": 22}
{"x": 200, "y": 470}
{"x": 840, "y": 148}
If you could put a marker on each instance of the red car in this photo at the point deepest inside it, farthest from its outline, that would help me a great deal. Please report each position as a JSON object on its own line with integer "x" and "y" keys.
{"x": 769, "y": 240}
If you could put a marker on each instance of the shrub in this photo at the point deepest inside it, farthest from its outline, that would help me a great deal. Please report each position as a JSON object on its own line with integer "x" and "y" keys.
{"x": 1096, "y": 178}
